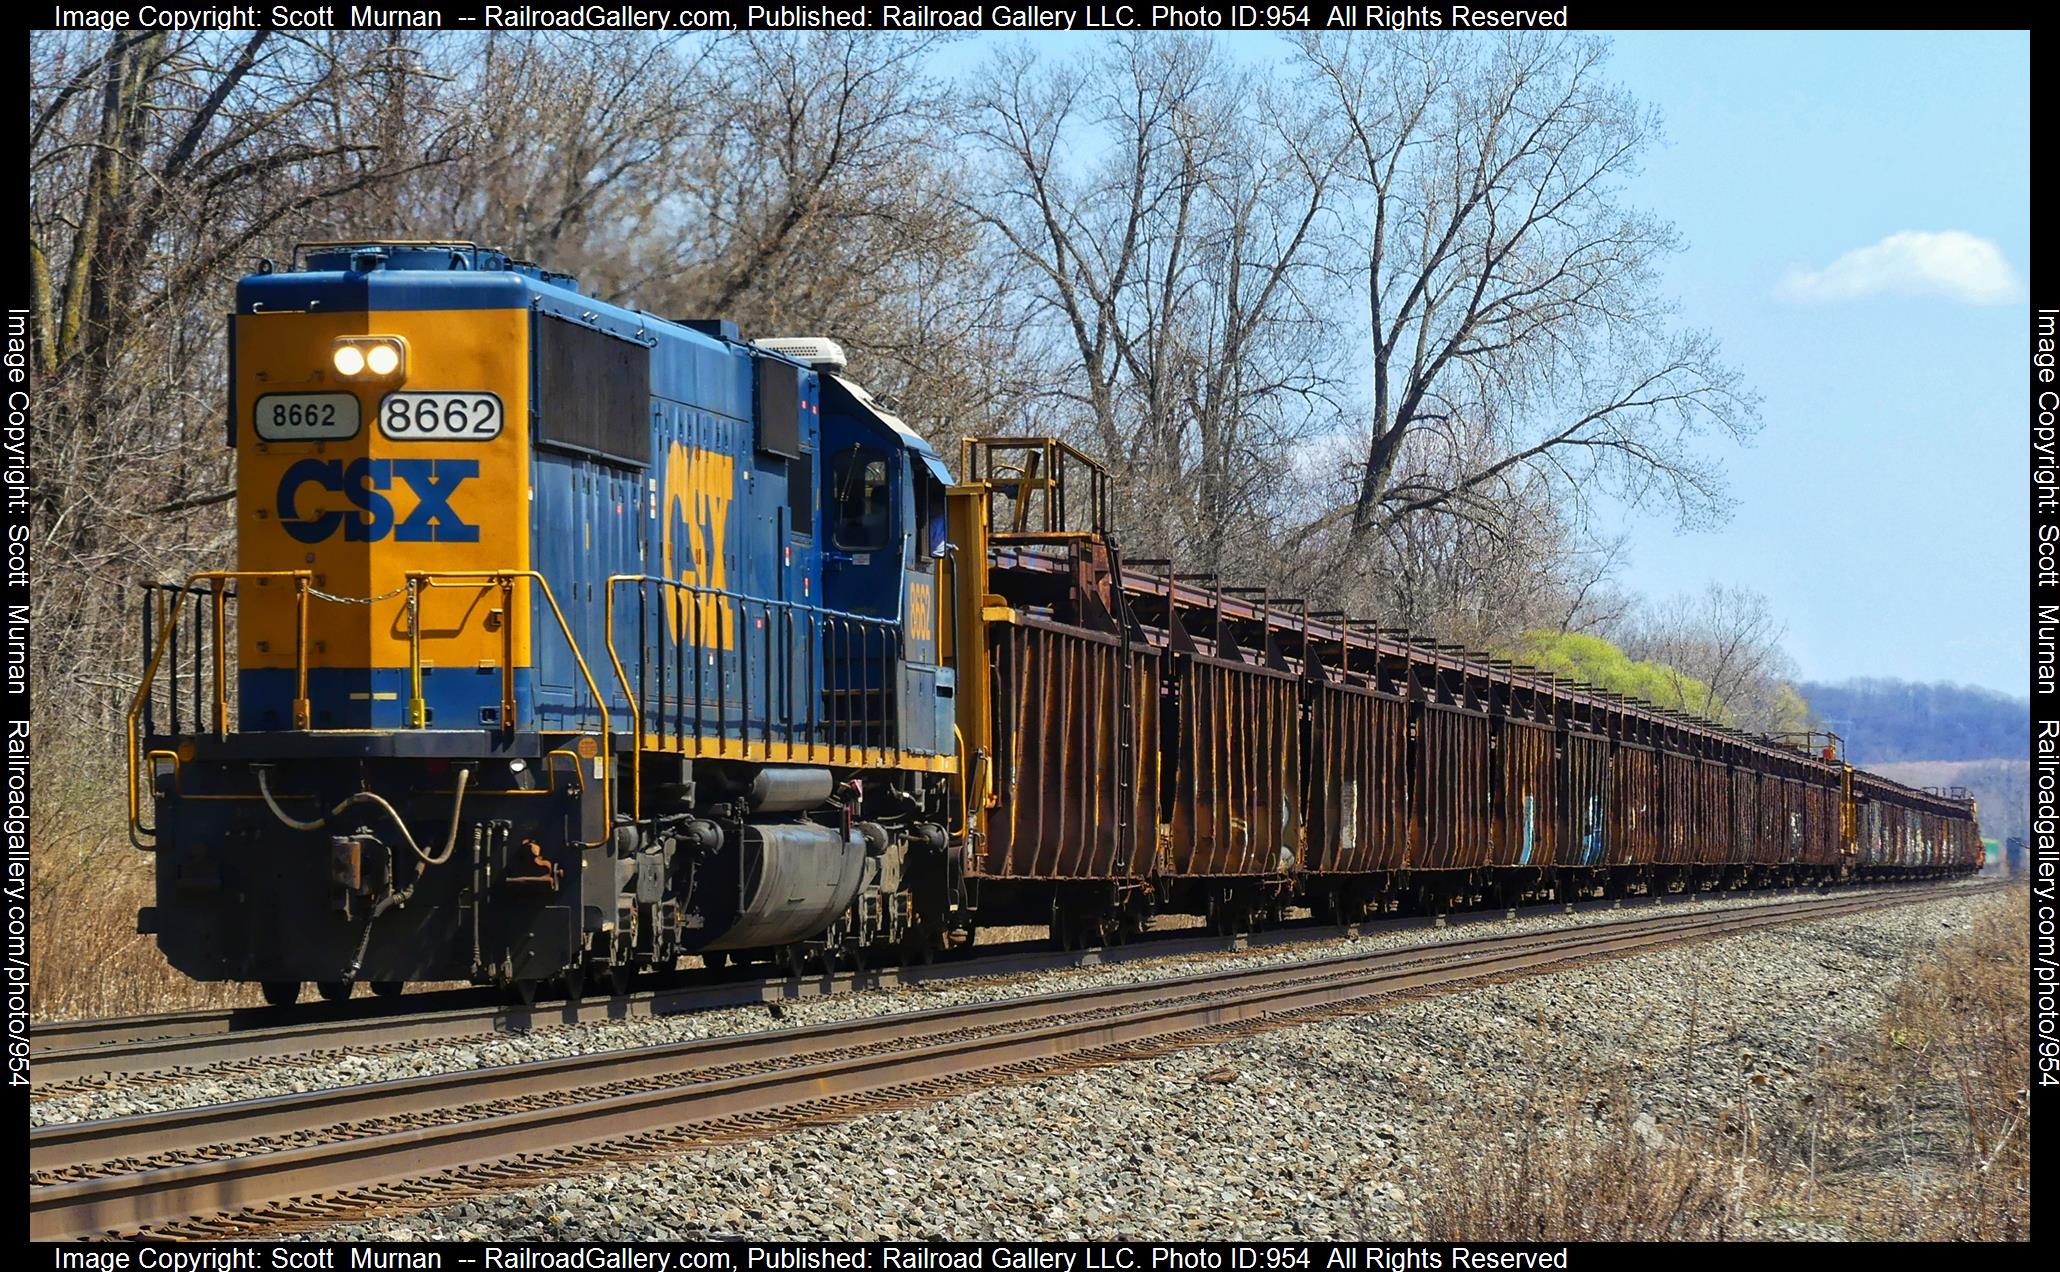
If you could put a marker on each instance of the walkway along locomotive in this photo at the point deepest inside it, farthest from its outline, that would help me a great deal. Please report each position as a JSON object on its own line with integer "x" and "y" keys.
{"x": 565, "y": 641}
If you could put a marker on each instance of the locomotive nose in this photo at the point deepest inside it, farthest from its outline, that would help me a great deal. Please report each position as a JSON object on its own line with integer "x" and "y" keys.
{"x": 375, "y": 455}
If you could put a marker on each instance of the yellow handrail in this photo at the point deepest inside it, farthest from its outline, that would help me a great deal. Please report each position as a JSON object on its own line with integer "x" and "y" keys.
{"x": 636, "y": 713}
{"x": 860, "y": 753}
{"x": 216, "y": 581}
{"x": 421, "y": 579}
{"x": 416, "y": 582}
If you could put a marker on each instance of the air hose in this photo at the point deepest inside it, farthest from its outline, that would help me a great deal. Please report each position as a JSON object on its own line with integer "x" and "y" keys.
{"x": 367, "y": 797}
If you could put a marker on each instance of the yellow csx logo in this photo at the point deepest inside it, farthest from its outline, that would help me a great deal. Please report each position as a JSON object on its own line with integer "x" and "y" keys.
{"x": 695, "y": 506}
{"x": 920, "y": 614}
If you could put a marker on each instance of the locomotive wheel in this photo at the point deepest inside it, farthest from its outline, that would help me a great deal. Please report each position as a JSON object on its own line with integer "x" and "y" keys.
{"x": 281, "y": 993}
{"x": 334, "y": 991}
{"x": 388, "y": 989}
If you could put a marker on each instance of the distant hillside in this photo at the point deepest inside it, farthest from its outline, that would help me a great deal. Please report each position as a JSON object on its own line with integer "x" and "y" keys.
{"x": 2001, "y": 787}
{"x": 1887, "y": 720}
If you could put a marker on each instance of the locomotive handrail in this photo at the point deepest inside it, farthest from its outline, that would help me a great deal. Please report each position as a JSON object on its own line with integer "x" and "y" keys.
{"x": 217, "y": 582}
{"x": 418, "y": 581}
{"x": 636, "y": 714}
{"x": 892, "y": 641}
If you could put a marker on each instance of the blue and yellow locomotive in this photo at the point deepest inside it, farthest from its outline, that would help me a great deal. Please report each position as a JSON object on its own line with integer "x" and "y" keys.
{"x": 576, "y": 638}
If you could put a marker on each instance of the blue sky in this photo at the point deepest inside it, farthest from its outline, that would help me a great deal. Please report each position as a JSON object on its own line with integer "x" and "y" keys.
{"x": 1857, "y": 216}
{"x": 1883, "y": 506}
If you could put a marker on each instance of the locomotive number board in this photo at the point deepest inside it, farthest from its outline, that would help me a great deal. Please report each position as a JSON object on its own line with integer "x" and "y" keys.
{"x": 440, "y": 417}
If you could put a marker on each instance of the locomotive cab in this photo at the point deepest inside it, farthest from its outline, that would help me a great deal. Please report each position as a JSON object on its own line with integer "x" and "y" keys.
{"x": 883, "y": 497}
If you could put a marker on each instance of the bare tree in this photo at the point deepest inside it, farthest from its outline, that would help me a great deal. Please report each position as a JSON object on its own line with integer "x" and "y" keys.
{"x": 827, "y": 198}
{"x": 1164, "y": 209}
{"x": 1511, "y": 294}
{"x": 566, "y": 176}
{"x": 1728, "y": 641}
{"x": 159, "y": 165}
{"x": 1481, "y": 585}
{"x": 789, "y": 182}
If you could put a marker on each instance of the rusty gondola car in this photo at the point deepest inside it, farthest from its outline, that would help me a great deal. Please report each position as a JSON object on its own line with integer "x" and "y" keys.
{"x": 1425, "y": 777}
{"x": 566, "y": 641}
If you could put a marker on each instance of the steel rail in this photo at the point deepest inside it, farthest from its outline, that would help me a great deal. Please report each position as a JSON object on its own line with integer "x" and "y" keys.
{"x": 64, "y": 1146}
{"x": 68, "y": 1051}
{"x": 909, "y": 1052}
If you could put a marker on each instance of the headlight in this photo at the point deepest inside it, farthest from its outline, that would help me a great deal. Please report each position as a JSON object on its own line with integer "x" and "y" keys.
{"x": 369, "y": 357}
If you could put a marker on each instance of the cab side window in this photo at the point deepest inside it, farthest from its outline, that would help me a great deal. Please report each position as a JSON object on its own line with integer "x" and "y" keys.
{"x": 929, "y": 520}
{"x": 861, "y": 494}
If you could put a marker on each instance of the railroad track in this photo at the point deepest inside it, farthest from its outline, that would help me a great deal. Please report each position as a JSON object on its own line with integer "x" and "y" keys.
{"x": 69, "y": 1057}
{"x": 238, "y": 1168}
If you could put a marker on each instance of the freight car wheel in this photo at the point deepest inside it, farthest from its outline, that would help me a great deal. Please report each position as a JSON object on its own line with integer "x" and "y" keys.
{"x": 281, "y": 993}
{"x": 334, "y": 991}
{"x": 388, "y": 989}
{"x": 714, "y": 960}
{"x": 1332, "y": 907}
{"x": 620, "y": 977}
{"x": 524, "y": 990}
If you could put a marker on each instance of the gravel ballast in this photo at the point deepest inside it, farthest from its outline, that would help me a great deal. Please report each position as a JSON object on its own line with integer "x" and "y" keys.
{"x": 1328, "y": 1129}
{"x": 292, "y": 1075}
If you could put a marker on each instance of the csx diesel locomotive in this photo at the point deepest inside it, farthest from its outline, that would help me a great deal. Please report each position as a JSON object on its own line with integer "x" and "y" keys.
{"x": 566, "y": 641}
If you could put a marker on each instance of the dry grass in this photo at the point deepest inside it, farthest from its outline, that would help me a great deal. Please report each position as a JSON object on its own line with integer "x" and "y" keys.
{"x": 1575, "y": 1170}
{"x": 1921, "y": 1132}
{"x": 1926, "y": 1133}
{"x": 86, "y": 884}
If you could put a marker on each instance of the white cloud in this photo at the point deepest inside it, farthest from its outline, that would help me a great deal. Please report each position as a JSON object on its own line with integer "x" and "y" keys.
{"x": 1949, "y": 265}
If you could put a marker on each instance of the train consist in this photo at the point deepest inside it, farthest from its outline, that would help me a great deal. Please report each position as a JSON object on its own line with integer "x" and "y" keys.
{"x": 566, "y": 641}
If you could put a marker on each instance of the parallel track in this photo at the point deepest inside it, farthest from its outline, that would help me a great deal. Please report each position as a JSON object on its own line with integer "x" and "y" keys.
{"x": 202, "y": 1171}
{"x": 87, "y": 1054}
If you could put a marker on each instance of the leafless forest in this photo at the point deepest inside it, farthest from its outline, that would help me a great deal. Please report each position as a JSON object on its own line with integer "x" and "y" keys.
{"x": 1375, "y": 326}
{"x": 1381, "y": 324}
